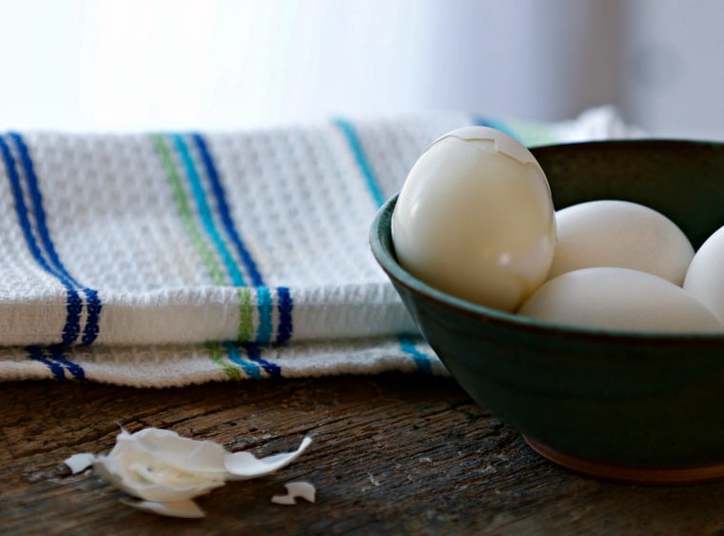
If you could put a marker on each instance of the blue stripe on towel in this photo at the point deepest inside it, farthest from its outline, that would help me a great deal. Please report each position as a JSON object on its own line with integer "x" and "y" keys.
{"x": 254, "y": 353}
{"x": 264, "y": 330}
{"x": 74, "y": 303}
{"x": 285, "y": 306}
{"x": 57, "y": 354}
{"x": 407, "y": 344}
{"x": 365, "y": 168}
{"x": 217, "y": 189}
{"x": 21, "y": 210}
{"x": 264, "y": 304}
{"x": 94, "y": 308}
{"x": 36, "y": 354}
{"x": 37, "y": 202}
{"x": 204, "y": 210}
{"x": 94, "y": 305}
{"x": 250, "y": 369}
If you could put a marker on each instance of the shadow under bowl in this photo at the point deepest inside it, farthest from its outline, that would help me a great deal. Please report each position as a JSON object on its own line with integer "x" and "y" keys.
{"x": 639, "y": 407}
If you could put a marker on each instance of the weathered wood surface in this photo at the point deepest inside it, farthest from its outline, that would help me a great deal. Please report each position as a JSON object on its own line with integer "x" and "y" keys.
{"x": 393, "y": 454}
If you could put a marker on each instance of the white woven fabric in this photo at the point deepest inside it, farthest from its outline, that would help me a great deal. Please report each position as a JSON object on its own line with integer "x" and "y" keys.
{"x": 167, "y": 259}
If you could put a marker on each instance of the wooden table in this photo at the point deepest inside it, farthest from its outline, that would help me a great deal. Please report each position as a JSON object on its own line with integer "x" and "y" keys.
{"x": 392, "y": 454}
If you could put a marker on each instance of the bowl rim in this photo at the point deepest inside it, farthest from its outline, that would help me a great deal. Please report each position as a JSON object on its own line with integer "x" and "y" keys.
{"x": 381, "y": 226}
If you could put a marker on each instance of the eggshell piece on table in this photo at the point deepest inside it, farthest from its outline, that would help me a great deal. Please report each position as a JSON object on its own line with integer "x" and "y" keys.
{"x": 296, "y": 490}
{"x": 78, "y": 463}
{"x": 475, "y": 218}
{"x": 705, "y": 278}
{"x": 620, "y": 234}
{"x": 619, "y": 299}
{"x": 187, "y": 509}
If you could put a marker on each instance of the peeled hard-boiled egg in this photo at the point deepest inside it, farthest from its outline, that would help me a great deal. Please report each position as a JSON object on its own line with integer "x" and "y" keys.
{"x": 619, "y": 299}
{"x": 475, "y": 218}
{"x": 620, "y": 234}
{"x": 705, "y": 278}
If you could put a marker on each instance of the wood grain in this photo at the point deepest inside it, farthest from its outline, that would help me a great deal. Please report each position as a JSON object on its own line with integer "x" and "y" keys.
{"x": 392, "y": 454}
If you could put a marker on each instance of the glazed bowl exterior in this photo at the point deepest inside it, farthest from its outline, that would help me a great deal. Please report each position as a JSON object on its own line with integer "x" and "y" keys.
{"x": 629, "y": 399}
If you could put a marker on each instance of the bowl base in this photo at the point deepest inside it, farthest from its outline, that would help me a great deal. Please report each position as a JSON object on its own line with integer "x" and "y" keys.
{"x": 622, "y": 473}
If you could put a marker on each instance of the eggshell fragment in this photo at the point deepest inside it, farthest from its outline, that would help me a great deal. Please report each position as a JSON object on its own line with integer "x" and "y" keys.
{"x": 705, "y": 278}
{"x": 161, "y": 466}
{"x": 296, "y": 490}
{"x": 183, "y": 453}
{"x": 80, "y": 462}
{"x": 167, "y": 470}
{"x": 185, "y": 509}
{"x": 243, "y": 465}
{"x": 619, "y": 299}
{"x": 620, "y": 234}
{"x": 475, "y": 218}
{"x": 145, "y": 473}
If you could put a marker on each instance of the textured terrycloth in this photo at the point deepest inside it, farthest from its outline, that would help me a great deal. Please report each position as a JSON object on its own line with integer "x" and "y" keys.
{"x": 166, "y": 259}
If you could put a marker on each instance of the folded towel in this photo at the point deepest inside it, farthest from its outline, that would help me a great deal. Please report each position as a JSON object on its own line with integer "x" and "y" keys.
{"x": 172, "y": 258}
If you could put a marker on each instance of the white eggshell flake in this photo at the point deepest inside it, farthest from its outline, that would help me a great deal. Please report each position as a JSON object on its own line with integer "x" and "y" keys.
{"x": 149, "y": 474}
{"x": 80, "y": 462}
{"x": 620, "y": 234}
{"x": 244, "y": 465}
{"x": 296, "y": 490}
{"x": 619, "y": 299}
{"x": 705, "y": 278}
{"x": 475, "y": 218}
{"x": 184, "y": 509}
{"x": 166, "y": 470}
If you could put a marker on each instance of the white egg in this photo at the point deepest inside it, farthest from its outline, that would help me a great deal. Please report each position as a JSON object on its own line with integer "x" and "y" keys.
{"x": 619, "y": 299}
{"x": 620, "y": 234}
{"x": 705, "y": 278}
{"x": 475, "y": 218}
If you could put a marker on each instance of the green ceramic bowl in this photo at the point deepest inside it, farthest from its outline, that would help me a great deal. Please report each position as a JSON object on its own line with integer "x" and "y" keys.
{"x": 636, "y": 406}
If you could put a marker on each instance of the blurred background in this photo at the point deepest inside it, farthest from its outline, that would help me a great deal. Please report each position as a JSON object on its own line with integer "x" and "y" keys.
{"x": 139, "y": 64}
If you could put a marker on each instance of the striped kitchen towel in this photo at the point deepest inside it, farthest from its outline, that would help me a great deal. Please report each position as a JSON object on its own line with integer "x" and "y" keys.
{"x": 175, "y": 258}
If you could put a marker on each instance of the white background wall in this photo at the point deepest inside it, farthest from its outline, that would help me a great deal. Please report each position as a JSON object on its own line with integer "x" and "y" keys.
{"x": 135, "y": 64}
{"x": 674, "y": 66}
